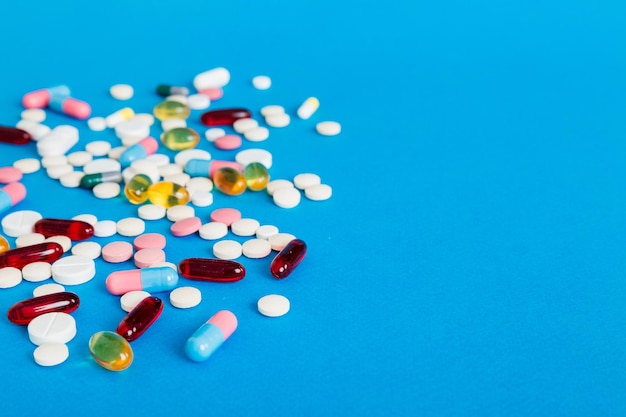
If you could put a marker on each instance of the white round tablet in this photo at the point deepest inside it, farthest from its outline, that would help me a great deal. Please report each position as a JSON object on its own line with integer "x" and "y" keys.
{"x": 131, "y": 226}
{"x": 245, "y": 124}
{"x": 257, "y": 134}
{"x": 180, "y": 212}
{"x": 73, "y": 270}
{"x": 151, "y": 212}
{"x": 29, "y": 239}
{"x": 256, "y": 248}
{"x": 261, "y": 82}
{"x": 280, "y": 240}
{"x": 318, "y": 192}
{"x": 57, "y": 171}
{"x": 87, "y": 218}
{"x": 50, "y": 161}
{"x": 51, "y": 354}
{"x": 180, "y": 179}
{"x": 115, "y": 153}
{"x": 328, "y": 128}
{"x": 27, "y": 165}
{"x": 185, "y": 297}
{"x": 36, "y": 271}
{"x": 89, "y": 250}
{"x": 198, "y": 101}
{"x": 45, "y": 289}
{"x": 278, "y": 120}
{"x": 20, "y": 222}
{"x": 158, "y": 159}
{"x": 122, "y": 91}
{"x": 98, "y": 147}
{"x": 245, "y": 227}
{"x": 265, "y": 231}
{"x": 213, "y": 230}
{"x": 202, "y": 198}
{"x": 227, "y": 249}
{"x": 274, "y": 185}
{"x": 97, "y": 124}
{"x": 129, "y": 300}
{"x": 199, "y": 184}
{"x": 71, "y": 179}
{"x": 214, "y": 133}
{"x": 273, "y": 305}
{"x": 271, "y": 110}
{"x": 52, "y": 328}
{"x": 305, "y": 180}
{"x": 79, "y": 158}
{"x": 34, "y": 115}
{"x": 10, "y": 277}
{"x": 105, "y": 228}
{"x": 145, "y": 118}
{"x": 185, "y": 156}
{"x": 169, "y": 124}
{"x": 64, "y": 241}
{"x": 170, "y": 169}
{"x": 106, "y": 190}
{"x": 286, "y": 197}
{"x": 100, "y": 165}
{"x": 248, "y": 156}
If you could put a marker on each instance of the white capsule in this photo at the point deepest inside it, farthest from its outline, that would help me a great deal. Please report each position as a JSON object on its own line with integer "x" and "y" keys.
{"x": 307, "y": 108}
{"x": 214, "y": 78}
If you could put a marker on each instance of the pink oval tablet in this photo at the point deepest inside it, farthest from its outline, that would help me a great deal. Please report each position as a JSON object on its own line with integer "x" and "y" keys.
{"x": 226, "y": 215}
{"x": 185, "y": 227}
{"x": 228, "y": 142}
{"x": 9, "y": 175}
{"x": 149, "y": 241}
{"x": 145, "y": 258}
{"x": 116, "y": 252}
{"x": 213, "y": 93}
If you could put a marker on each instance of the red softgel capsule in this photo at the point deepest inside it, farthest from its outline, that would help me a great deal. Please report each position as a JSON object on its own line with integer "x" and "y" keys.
{"x": 40, "y": 252}
{"x": 140, "y": 318}
{"x": 287, "y": 259}
{"x": 213, "y": 270}
{"x": 74, "y": 229}
{"x": 224, "y": 117}
{"x": 23, "y": 312}
{"x": 14, "y": 135}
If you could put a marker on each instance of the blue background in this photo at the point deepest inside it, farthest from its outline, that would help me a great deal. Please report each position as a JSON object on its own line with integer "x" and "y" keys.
{"x": 471, "y": 260}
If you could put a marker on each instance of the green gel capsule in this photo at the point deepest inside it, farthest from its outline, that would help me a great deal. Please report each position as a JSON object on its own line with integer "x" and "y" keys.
{"x": 180, "y": 138}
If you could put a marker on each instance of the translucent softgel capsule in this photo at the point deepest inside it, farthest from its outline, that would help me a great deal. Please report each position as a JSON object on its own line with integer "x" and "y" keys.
{"x": 214, "y": 270}
{"x": 180, "y": 138}
{"x": 256, "y": 175}
{"x": 170, "y": 109}
{"x": 136, "y": 190}
{"x": 111, "y": 351}
{"x": 24, "y": 311}
{"x": 20, "y": 257}
{"x": 74, "y": 229}
{"x": 140, "y": 318}
{"x": 229, "y": 181}
{"x": 287, "y": 259}
{"x": 4, "y": 244}
{"x": 167, "y": 194}
{"x": 224, "y": 116}
{"x": 14, "y": 135}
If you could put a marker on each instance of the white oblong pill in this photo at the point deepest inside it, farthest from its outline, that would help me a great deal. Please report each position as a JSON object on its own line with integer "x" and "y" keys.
{"x": 274, "y": 185}
{"x": 213, "y": 78}
{"x": 307, "y": 108}
{"x": 151, "y": 212}
{"x": 64, "y": 241}
{"x": 213, "y": 230}
{"x": 29, "y": 239}
{"x": 202, "y": 198}
{"x": 265, "y": 231}
{"x": 244, "y": 124}
{"x": 256, "y": 248}
{"x": 129, "y": 300}
{"x": 98, "y": 147}
{"x": 245, "y": 227}
{"x": 34, "y": 115}
{"x": 214, "y": 133}
{"x": 72, "y": 179}
{"x": 20, "y": 222}
{"x": 104, "y": 228}
{"x": 286, "y": 197}
{"x": 122, "y": 91}
{"x": 131, "y": 226}
{"x": 79, "y": 158}
{"x": 169, "y": 124}
{"x": 106, "y": 190}
{"x": 179, "y": 212}
{"x": 280, "y": 240}
{"x": 185, "y": 297}
{"x": 305, "y": 180}
{"x": 36, "y": 272}
{"x": 328, "y": 128}
{"x": 227, "y": 249}
{"x": 198, "y": 101}
{"x": 27, "y": 165}
{"x": 261, "y": 82}
{"x": 45, "y": 289}
{"x": 51, "y": 354}
{"x": 91, "y": 250}
{"x": 319, "y": 192}
{"x": 97, "y": 124}
{"x": 10, "y": 277}
{"x": 273, "y": 305}
{"x": 52, "y": 328}
{"x": 271, "y": 110}
{"x": 257, "y": 134}
{"x": 185, "y": 156}
{"x": 73, "y": 270}
{"x": 98, "y": 166}
{"x": 248, "y": 156}
{"x": 158, "y": 159}
{"x": 278, "y": 120}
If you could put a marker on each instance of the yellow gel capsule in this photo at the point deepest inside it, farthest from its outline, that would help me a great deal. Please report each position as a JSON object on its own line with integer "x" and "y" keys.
{"x": 170, "y": 109}
{"x": 4, "y": 244}
{"x": 229, "y": 181}
{"x": 136, "y": 190}
{"x": 167, "y": 194}
{"x": 180, "y": 138}
{"x": 111, "y": 351}
{"x": 256, "y": 175}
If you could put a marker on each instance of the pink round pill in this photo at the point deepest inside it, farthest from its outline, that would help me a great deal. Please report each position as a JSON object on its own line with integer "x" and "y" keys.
{"x": 213, "y": 93}
{"x": 225, "y": 215}
{"x": 228, "y": 142}
{"x": 149, "y": 241}
{"x": 116, "y": 252}
{"x": 145, "y": 258}
{"x": 186, "y": 227}
{"x": 9, "y": 175}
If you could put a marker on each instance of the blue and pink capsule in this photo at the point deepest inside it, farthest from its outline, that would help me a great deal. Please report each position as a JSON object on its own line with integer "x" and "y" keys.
{"x": 157, "y": 279}
{"x": 210, "y": 336}
{"x": 139, "y": 150}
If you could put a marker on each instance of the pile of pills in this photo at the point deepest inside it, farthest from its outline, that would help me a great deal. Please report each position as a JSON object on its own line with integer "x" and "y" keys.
{"x": 67, "y": 251}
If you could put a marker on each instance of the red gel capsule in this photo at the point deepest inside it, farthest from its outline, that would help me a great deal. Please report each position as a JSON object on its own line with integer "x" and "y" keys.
{"x": 140, "y": 318}
{"x": 287, "y": 259}
{"x": 224, "y": 116}
{"x": 213, "y": 270}
{"x": 14, "y": 135}
{"x": 20, "y": 257}
{"x": 23, "y": 312}
{"x": 74, "y": 229}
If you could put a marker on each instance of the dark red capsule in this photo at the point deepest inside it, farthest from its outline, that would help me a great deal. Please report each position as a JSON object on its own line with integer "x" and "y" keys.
{"x": 287, "y": 259}
{"x": 213, "y": 270}
{"x": 74, "y": 229}
{"x": 14, "y": 135}
{"x": 140, "y": 318}
{"x": 24, "y": 311}
{"x": 224, "y": 116}
{"x": 20, "y": 257}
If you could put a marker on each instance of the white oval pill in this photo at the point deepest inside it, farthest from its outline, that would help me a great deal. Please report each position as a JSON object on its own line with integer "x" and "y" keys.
{"x": 273, "y": 305}
{"x": 52, "y": 328}
{"x": 199, "y": 184}
{"x": 185, "y": 156}
{"x": 34, "y": 115}
{"x": 64, "y": 241}
{"x": 248, "y": 156}
{"x": 36, "y": 130}
{"x": 115, "y": 153}
{"x": 261, "y": 82}
{"x": 278, "y": 120}
{"x": 179, "y": 98}
{"x": 169, "y": 124}
{"x": 179, "y": 212}
{"x": 100, "y": 165}
{"x": 256, "y": 248}
{"x": 214, "y": 133}
{"x": 158, "y": 159}
{"x": 271, "y": 110}
{"x": 79, "y": 158}
{"x": 245, "y": 227}
{"x": 227, "y": 249}
{"x": 50, "y": 161}
{"x": 71, "y": 179}
{"x": 185, "y": 297}
{"x": 36, "y": 272}
{"x": 280, "y": 240}
{"x": 57, "y": 171}
{"x": 129, "y": 300}
{"x": 29, "y": 239}
{"x": 213, "y": 230}
{"x": 328, "y": 128}
{"x": 257, "y": 134}
{"x": 179, "y": 179}
{"x": 198, "y": 101}
{"x": 170, "y": 169}
{"x": 73, "y": 270}
{"x": 20, "y": 222}
{"x": 244, "y": 124}
{"x": 202, "y": 198}
{"x": 122, "y": 91}
{"x": 89, "y": 250}
{"x": 105, "y": 228}
{"x": 213, "y": 78}
{"x": 106, "y": 190}
{"x": 151, "y": 212}
{"x": 97, "y": 124}
{"x": 265, "y": 231}
{"x": 27, "y": 165}
{"x": 51, "y": 354}
{"x": 131, "y": 131}
{"x": 307, "y": 179}
{"x": 145, "y": 118}
{"x": 45, "y": 289}
{"x": 286, "y": 197}
{"x": 274, "y": 185}
{"x": 318, "y": 192}
{"x": 87, "y": 218}
{"x": 10, "y": 277}
{"x": 98, "y": 147}
{"x": 131, "y": 226}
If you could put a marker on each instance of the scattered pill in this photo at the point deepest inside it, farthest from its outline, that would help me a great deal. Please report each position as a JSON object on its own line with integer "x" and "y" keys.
{"x": 70, "y": 106}
{"x": 46, "y": 289}
{"x": 199, "y": 184}
{"x": 288, "y": 259}
{"x": 210, "y": 336}
{"x": 97, "y": 124}
{"x": 119, "y": 116}
{"x": 24, "y": 132}
{"x": 272, "y": 110}
{"x": 274, "y": 185}
{"x": 58, "y": 171}
{"x": 211, "y": 270}
{"x": 106, "y": 190}
{"x": 265, "y": 231}
{"x": 273, "y": 305}
{"x": 130, "y": 300}
{"x": 328, "y": 128}
{"x": 310, "y": 106}
{"x": 186, "y": 226}
{"x": 29, "y": 239}
{"x": 79, "y": 158}
{"x": 147, "y": 279}
{"x": 73, "y": 270}
{"x": 185, "y": 297}
{"x": 64, "y": 241}
{"x": 37, "y": 272}
{"x": 199, "y": 101}
{"x": 278, "y": 120}
{"x": 305, "y": 180}
{"x": 34, "y": 115}
{"x": 278, "y": 241}
{"x": 52, "y": 328}
{"x": 10, "y": 277}
{"x": 213, "y": 230}
{"x": 225, "y": 215}
{"x": 286, "y": 197}
{"x": 244, "y": 124}
{"x": 122, "y": 91}
{"x": 23, "y": 312}
{"x": 145, "y": 258}
{"x": 213, "y": 78}
{"x": 261, "y": 82}
{"x": 245, "y": 227}
{"x": 105, "y": 228}
{"x": 10, "y": 174}
{"x": 51, "y": 354}
{"x": 116, "y": 252}
{"x": 257, "y": 134}
{"x": 214, "y": 133}
{"x": 74, "y": 229}
{"x": 71, "y": 179}
{"x": 202, "y": 198}
{"x": 227, "y": 249}
{"x": 20, "y": 222}
{"x": 248, "y": 156}
{"x": 228, "y": 142}
{"x": 140, "y": 318}
{"x": 256, "y": 248}
{"x": 131, "y": 226}
{"x": 20, "y": 257}
{"x": 111, "y": 351}
{"x": 318, "y": 192}
{"x": 98, "y": 147}
{"x": 151, "y": 212}
{"x": 169, "y": 124}
{"x": 149, "y": 240}
{"x": 27, "y": 165}
{"x": 224, "y": 117}
{"x": 39, "y": 99}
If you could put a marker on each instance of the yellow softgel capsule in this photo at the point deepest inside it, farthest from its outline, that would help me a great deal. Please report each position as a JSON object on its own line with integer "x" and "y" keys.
{"x": 229, "y": 181}
{"x": 170, "y": 109}
{"x": 4, "y": 244}
{"x": 256, "y": 175}
{"x": 180, "y": 138}
{"x": 136, "y": 190}
{"x": 167, "y": 194}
